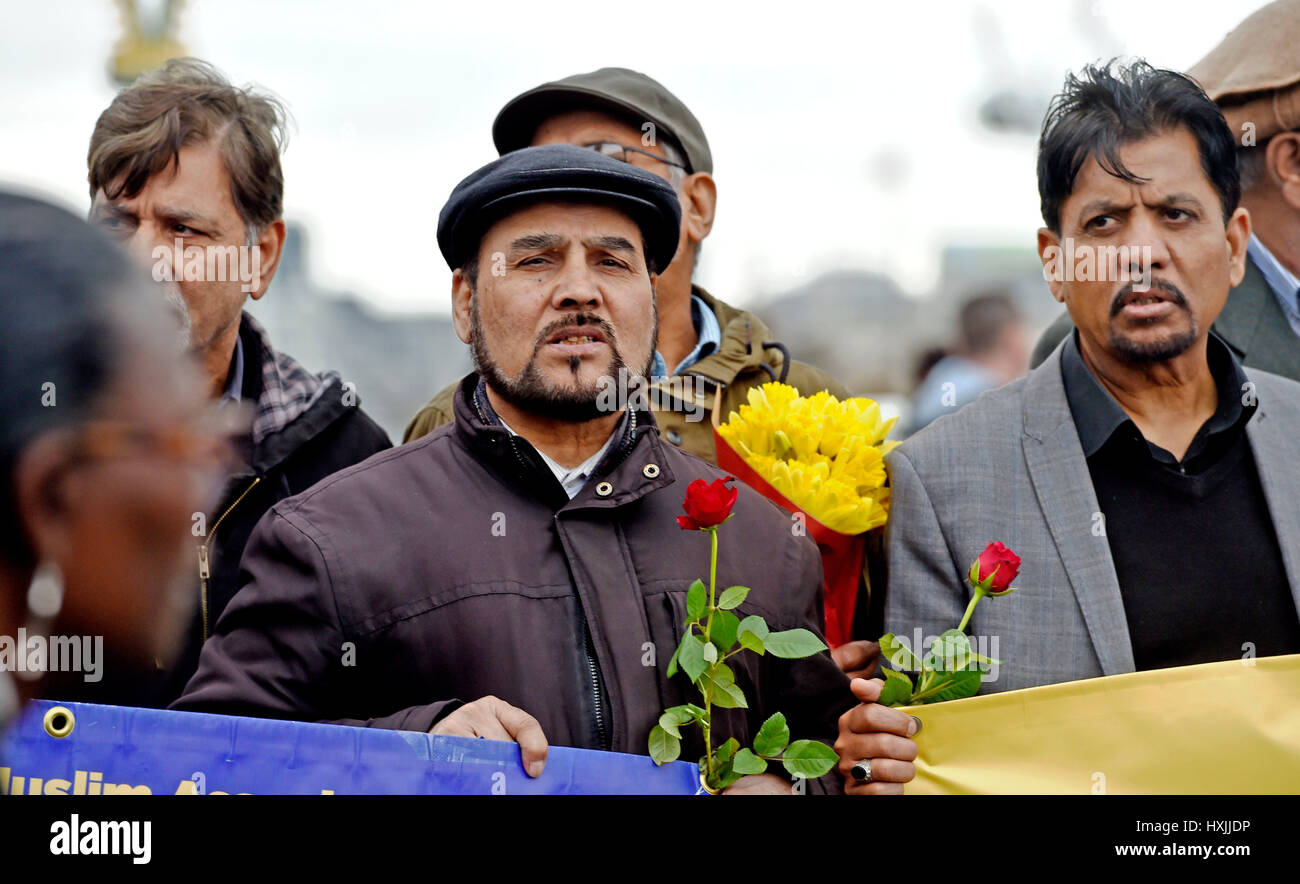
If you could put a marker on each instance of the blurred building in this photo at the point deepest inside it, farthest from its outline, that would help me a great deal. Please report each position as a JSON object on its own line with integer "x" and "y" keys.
{"x": 866, "y": 332}
{"x": 397, "y": 361}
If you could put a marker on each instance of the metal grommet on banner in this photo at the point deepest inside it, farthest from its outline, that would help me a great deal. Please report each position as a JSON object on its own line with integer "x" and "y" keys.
{"x": 604, "y": 489}
{"x": 651, "y": 470}
{"x": 59, "y": 721}
{"x": 704, "y": 785}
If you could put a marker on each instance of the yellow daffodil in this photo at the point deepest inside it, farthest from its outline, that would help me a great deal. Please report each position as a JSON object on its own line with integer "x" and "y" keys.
{"x": 825, "y": 455}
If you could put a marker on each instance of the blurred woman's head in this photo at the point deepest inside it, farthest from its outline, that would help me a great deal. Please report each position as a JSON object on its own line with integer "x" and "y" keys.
{"x": 105, "y": 455}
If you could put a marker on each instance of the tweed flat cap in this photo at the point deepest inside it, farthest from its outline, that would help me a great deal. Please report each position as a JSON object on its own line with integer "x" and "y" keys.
{"x": 623, "y": 92}
{"x": 558, "y": 171}
{"x": 1253, "y": 75}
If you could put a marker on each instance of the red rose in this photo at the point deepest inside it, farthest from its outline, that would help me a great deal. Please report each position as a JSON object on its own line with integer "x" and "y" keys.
{"x": 707, "y": 503}
{"x": 996, "y": 567}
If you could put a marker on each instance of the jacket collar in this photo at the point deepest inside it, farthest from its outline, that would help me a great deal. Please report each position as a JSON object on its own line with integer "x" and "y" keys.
{"x": 1061, "y": 481}
{"x": 623, "y": 469}
{"x": 292, "y": 404}
{"x": 1097, "y": 416}
{"x": 742, "y": 350}
{"x": 1253, "y": 325}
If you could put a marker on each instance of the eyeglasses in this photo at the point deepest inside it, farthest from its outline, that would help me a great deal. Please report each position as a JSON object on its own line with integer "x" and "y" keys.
{"x": 205, "y": 447}
{"x": 619, "y": 152}
{"x": 205, "y": 439}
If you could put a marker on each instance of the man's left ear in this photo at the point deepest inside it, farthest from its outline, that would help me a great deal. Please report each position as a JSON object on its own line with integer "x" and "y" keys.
{"x": 699, "y": 196}
{"x": 270, "y": 243}
{"x": 1238, "y": 237}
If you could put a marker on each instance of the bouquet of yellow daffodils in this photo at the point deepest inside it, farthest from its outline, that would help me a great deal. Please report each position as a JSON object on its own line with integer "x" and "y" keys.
{"x": 821, "y": 458}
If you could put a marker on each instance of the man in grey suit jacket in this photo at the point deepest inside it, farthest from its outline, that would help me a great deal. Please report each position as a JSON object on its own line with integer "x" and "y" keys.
{"x": 1254, "y": 77}
{"x": 1011, "y": 467}
{"x": 1149, "y": 483}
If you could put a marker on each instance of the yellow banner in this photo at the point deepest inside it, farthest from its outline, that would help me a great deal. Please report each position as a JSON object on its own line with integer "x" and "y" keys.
{"x": 1215, "y": 728}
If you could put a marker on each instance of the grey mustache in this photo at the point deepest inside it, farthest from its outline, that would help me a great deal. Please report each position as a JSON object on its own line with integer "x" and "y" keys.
{"x": 1175, "y": 295}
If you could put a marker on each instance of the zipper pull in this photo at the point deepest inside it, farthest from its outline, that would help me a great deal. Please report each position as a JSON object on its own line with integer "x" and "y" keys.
{"x": 203, "y": 562}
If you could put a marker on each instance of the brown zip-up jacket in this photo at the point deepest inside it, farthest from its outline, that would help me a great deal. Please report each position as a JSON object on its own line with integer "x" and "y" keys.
{"x": 456, "y": 567}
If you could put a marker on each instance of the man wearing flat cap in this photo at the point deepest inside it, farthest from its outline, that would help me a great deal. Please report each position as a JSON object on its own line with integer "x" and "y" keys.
{"x": 1253, "y": 76}
{"x": 519, "y": 574}
{"x": 705, "y": 345}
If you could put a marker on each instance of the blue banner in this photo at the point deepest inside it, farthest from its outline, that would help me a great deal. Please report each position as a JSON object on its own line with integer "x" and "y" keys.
{"x": 83, "y": 749}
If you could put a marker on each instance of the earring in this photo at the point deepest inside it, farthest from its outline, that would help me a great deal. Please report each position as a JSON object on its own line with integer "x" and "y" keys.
{"x": 45, "y": 594}
{"x": 44, "y": 600}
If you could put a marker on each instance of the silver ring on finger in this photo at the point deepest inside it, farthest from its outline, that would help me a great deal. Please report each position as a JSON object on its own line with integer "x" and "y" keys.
{"x": 862, "y": 770}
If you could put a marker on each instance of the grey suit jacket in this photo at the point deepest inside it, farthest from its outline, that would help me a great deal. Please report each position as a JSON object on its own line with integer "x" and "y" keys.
{"x": 1252, "y": 324}
{"x": 1010, "y": 467}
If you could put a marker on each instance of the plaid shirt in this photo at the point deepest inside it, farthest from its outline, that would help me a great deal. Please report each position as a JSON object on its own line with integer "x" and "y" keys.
{"x": 288, "y": 389}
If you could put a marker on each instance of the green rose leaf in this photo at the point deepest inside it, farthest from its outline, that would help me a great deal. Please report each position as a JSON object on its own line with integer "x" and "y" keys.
{"x": 747, "y": 762}
{"x": 955, "y": 640}
{"x": 675, "y": 716}
{"x": 729, "y": 696}
{"x": 772, "y": 737}
{"x": 725, "y": 776}
{"x": 732, "y": 596}
{"x": 723, "y": 689}
{"x": 664, "y": 747}
{"x": 726, "y": 751}
{"x": 809, "y": 758}
{"x": 725, "y": 625}
{"x": 672, "y": 664}
{"x": 950, "y": 652}
{"x": 696, "y": 597}
{"x": 754, "y": 624}
{"x": 898, "y": 653}
{"x": 957, "y": 686}
{"x": 691, "y": 656}
{"x": 897, "y": 690}
{"x": 753, "y": 631}
{"x": 792, "y": 644}
{"x": 710, "y": 653}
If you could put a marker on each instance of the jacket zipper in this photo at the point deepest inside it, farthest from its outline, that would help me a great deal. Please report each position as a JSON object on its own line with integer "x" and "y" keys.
{"x": 597, "y": 699}
{"x": 593, "y": 668}
{"x": 204, "y": 571}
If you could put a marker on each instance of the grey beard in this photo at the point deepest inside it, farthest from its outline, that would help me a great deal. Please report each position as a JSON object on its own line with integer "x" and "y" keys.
{"x": 181, "y": 313}
{"x": 1160, "y": 351}
{"x": 530, "y": 391}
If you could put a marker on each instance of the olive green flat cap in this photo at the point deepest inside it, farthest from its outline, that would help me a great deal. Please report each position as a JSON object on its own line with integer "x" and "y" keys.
{"x": 623, "y": 92}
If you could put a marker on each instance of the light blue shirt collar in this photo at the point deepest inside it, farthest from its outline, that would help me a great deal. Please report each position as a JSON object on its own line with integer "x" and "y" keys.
{"x": 708, "y": 338}
{"x": 1283, "y": 283}
{"x": 235, "y": 380}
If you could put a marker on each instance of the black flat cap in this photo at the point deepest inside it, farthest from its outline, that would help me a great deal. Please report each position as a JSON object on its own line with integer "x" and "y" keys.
{"x": 558, "y": 171}
{"x": 622, "y": 92}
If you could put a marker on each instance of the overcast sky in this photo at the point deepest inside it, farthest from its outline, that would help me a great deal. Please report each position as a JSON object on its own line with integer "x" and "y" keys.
{"x": 843, "y": 135}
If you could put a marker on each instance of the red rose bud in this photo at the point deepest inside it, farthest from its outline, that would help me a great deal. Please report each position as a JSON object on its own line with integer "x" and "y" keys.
{"x": 707, "y": 503}
{"x": 994, "y": 570}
